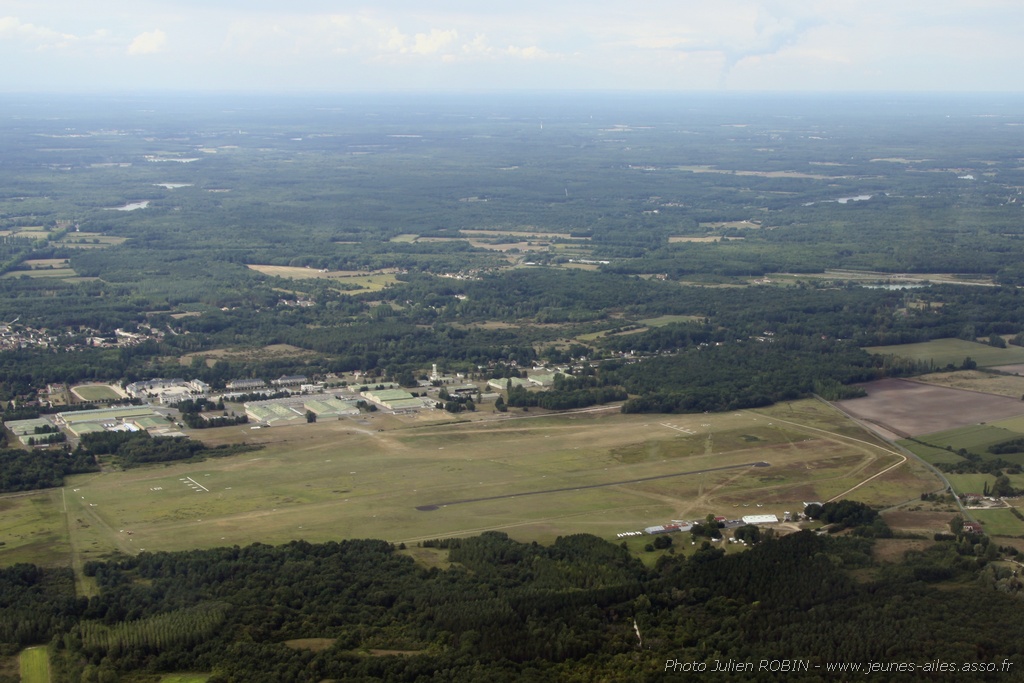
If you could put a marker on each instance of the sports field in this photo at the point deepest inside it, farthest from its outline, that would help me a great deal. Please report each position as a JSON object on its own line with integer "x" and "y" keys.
{"x": 533, "y": 476}
{"x": 96, "y": 392}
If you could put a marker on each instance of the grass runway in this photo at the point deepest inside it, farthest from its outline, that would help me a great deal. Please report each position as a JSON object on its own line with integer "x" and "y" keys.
{"x": 601, "y": 472}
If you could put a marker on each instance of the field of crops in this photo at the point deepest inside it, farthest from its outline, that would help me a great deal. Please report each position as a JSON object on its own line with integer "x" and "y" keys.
{"x": 35, "y": 665}
{"x": 945, "y": 351}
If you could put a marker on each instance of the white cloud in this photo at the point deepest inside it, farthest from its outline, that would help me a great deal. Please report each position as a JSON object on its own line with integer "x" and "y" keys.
{"x": 148, "y": 43}
{"x": 531, "y": 52}
{"x": 433, "y": 42}
{"x": 33, "y": 35}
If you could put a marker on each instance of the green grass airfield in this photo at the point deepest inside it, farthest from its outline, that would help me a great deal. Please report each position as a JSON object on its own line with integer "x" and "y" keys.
{"x": 365, "y": 477}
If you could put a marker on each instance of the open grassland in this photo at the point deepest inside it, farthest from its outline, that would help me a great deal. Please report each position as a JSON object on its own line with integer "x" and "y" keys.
{"x": 1011, "y": 386}
{"x": 524, "y": 234}
{"x": 57, "y": 268}
{"x": 945, "y": 351}
{"x": 643, "y": 326}
{"x": 975, "y": 438}
{"x": 371, "y": 281}
{"x": 89, "y": 240}
{"x": 185, "y": 678}
{"x": 262, "y": 353}
{"x": 999, "y": 522}
{"x": 707, "y": 239}
{"x": 410, "y": 478}
{"x": 668, "y": 320}
{"x": 975, "y": 482}
{"x": 35, "y": 665}
{"x": 33, "y": 529}
{"x": 741, "y": 225}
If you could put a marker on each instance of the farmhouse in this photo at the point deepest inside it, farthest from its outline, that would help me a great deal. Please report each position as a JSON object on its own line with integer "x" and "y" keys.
{"x": 973, "y": 528}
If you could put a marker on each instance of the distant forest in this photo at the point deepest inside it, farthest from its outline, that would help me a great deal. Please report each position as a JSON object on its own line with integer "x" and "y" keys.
{"x": 754, "y": 221}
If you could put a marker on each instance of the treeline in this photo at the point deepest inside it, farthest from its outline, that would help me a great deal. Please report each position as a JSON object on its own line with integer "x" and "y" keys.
{"x": 564, "y": 399}
{"x": 134, "y": 449}
{"x": 26, "y": 470}
{"x": 581, "y": 609}
{"x": 748, "y": 374}
{"x": 191, "y": 414}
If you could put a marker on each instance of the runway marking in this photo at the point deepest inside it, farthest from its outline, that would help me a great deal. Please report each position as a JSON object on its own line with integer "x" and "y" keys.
{"x": 198, "y": 484}
{"x": 678, "y": 429}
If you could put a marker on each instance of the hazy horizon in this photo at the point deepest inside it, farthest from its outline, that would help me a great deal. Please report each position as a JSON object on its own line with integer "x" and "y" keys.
{"x": 457, "y": 46}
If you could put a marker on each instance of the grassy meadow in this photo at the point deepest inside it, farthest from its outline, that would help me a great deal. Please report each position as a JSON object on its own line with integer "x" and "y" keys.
{"x": 366, "y": 281}
{"x": 534, "y": 476}
{"x": 945, "y": 351}
{"x": 35, "y": 665}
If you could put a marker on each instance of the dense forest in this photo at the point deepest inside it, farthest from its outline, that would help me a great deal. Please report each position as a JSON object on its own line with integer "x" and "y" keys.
{"x": 580, "y": 609}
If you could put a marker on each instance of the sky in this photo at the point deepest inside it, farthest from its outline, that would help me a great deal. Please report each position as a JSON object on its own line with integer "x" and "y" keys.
{"x": 495, "y": 45}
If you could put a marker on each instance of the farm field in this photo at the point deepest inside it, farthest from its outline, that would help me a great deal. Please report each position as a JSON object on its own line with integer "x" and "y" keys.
{"x": 33, "y": 528}
{"x": 536, "y": 477}
{"x": 945, "y": 351}
{"x": 999, "y": 522}
{"x": 900, "y": 408}
{"x": 35, "y": 665}
{"x": 273, "y": 351}
{"x": 366, "y": 280}
{"x": 977, "y": 380}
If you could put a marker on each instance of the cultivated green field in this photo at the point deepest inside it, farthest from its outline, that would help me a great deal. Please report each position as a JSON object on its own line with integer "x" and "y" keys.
{"x": 999, "y": 522}
{"x": 943, "y": 446}
{"x": 185, "y": 678}
{"x": 975, "y": 438}
{"x": 668, "y": 320}
{"x": 975, "y": 483}
{"x": 33, "y": 528}
{"x": 945, "y": 351}
{"x": 535, "y": 477}
{"x": 35, "y": 665}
